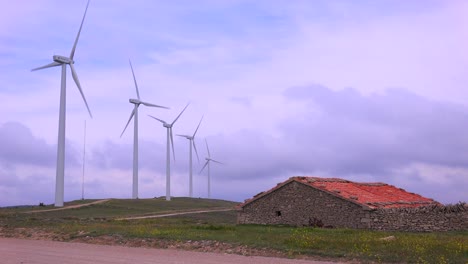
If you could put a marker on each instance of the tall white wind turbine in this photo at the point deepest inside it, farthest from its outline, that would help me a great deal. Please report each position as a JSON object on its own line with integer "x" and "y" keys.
{"x": 136, "y": 103}
{"x": 170, "y": 141}
{"x": 64, "y": 61}
{"x": 207, "y": 163}
{"x": 192, "y": 143}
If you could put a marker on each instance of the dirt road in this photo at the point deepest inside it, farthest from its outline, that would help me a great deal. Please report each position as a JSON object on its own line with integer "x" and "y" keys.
{"x": 23, "y": 251}
{"x": 68, "y": 207}
{"x": 177, "y": 213}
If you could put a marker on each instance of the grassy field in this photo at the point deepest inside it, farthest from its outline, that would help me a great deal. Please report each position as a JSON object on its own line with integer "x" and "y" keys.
{"x": 100, "y": 220}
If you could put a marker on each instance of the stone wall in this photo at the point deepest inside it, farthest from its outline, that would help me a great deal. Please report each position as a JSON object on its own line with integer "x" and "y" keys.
{"x": 429, "y": 218}
{"x": 301, "y": 205}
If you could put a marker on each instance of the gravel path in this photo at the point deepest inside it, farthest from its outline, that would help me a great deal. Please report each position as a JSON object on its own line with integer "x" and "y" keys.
{"x": 23, "y": 251}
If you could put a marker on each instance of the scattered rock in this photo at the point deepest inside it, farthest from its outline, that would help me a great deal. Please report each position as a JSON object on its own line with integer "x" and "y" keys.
{"x": 389, "y": 238}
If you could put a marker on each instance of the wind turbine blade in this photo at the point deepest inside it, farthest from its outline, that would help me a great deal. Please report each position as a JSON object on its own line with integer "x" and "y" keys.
{"x": 77, "y": 81}
{"x": 207, "y": 148}
{"x": 179, "y": 115}
{"x": 130, "y": 119}
{"x": 216, "y": 161}
{"x": 53, "y": 64}
{"x": 72, "y": 54}
{"x": 160, "y": 120}
{"x": 197, "y": 127}
{"x": 195, "y": 147}
{"x": 185, "y": 136}
{"x": 134, "y": 79}
{"x": 206, "y": 163}
{"x": 172, "y": 143}
{"x": 153, "y": 105}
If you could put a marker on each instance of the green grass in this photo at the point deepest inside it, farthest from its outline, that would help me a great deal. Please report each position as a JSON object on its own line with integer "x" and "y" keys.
{"x": 119, "y": 208}
{"x": 342, "y": 244}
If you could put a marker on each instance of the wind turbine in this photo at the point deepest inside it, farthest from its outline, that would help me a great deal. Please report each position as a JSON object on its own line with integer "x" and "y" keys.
{"x": 207, "y": 163}
{"x": 170, "y": 141}
{"x": 192, "y": 143}
{"x": 64, "y": 61}
{"x": 136, "y": 103}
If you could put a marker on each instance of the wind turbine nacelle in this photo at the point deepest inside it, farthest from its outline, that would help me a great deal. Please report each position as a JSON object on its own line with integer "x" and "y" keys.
{"x": 167, "y": 125}
{"x": 134, "y": 101}
{"x": 62, "y": 59}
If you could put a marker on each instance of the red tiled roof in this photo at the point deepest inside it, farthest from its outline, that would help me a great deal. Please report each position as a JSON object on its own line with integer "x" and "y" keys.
{"x": 372, "y": 195}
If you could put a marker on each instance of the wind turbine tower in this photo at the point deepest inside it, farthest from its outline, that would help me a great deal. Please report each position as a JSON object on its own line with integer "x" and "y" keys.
{"x": 136, "y": 103}
{"x": 192, "y": 143}
{"x": 84, "y": 161}
{"x": 207, "y": 164}
{"x": 170, "y": 142}
{"x": 64, "y": 61}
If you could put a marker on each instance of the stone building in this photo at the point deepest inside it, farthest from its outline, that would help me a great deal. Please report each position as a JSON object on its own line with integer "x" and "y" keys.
{"x": 332, "y": 202}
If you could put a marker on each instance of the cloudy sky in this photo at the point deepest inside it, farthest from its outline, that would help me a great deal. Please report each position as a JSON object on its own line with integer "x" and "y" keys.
{"x": 361, "y": 90}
